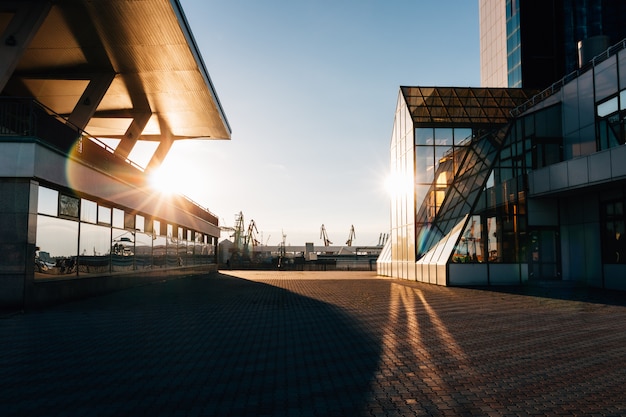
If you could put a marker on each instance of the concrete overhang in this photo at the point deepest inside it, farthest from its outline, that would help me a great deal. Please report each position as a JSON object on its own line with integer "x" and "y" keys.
{"x": 119, "y": 69}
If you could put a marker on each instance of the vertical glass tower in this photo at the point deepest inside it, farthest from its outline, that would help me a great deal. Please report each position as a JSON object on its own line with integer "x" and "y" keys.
{"x": 544, "y": 38}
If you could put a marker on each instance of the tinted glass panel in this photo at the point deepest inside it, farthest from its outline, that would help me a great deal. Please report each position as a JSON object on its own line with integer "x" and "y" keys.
{"x": 94, "y": 249}
{"x": 118, "y": 218}
{"x": 48, "y": 202}
{"x": 104, "y": 215}
{"x": 57, "y": 242}
{"x": 88, "y": 211}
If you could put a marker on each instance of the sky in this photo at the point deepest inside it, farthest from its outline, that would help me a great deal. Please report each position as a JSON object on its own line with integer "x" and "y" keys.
{"x": 309, "y": 88}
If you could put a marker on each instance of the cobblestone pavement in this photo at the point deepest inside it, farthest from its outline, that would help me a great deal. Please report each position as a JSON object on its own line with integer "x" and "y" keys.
{"x": 316, "y": 344}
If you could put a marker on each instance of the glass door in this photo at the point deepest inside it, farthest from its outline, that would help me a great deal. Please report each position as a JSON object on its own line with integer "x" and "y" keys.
{"x": 544, "y": 254}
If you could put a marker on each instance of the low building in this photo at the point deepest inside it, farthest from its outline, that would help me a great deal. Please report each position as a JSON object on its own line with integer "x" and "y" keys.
{"x": 84, "y": 85}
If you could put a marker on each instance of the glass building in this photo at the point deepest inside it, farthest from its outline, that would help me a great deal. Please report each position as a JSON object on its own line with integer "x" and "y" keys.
{"x": 83, "y": 86}
{"x": 531, "y": 44}
{"x": 506, "y": 186}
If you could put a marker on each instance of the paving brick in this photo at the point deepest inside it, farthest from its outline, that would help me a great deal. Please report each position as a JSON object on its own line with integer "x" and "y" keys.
{"x": 329, "y": 343}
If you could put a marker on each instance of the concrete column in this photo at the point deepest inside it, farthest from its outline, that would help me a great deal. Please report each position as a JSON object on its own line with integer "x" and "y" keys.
{"x": 18, "y": 224}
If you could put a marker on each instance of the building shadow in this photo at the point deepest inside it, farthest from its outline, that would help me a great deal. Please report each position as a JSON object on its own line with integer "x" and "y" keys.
{"x": 206, "y": 345}
{"x": 561, "y": 290}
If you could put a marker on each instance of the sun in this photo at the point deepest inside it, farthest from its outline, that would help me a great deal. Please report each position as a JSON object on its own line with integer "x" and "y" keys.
{"x": 397, "y": 184}
{"x": 164, "y": 179}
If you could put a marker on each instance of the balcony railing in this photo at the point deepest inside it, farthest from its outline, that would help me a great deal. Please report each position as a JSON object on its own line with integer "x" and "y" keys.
{"x": 555, "y": 87}
{"x": 25, "y": 117}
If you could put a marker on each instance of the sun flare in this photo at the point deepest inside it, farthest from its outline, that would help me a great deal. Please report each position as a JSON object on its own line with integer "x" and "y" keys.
{"x": 164, "y": 180}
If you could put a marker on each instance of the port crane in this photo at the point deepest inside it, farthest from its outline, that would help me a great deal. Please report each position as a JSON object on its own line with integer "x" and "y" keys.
{"x": 324, "y": 236}
{"x": 251, "y": 235}
{"x": 351, "y": 236}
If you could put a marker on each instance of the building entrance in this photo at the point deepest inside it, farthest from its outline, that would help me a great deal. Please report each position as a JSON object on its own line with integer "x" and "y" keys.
{"x": 544, "y": 254}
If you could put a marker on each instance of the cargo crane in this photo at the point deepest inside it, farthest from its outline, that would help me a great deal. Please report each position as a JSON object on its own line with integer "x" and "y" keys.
{"x": 324, "y": 236}
{"x": 351, "y": 236}
{"x": 239, "y": 238}
{"x": 251, "y": 235}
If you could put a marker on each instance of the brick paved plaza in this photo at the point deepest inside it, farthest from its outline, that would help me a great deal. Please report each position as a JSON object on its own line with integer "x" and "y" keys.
{"x": 317, "y": 344}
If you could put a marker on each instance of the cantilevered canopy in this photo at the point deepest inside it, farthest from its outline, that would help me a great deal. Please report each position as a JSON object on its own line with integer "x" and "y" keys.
{"x": 120, "y": 69}
{"x": 463, "y": 106}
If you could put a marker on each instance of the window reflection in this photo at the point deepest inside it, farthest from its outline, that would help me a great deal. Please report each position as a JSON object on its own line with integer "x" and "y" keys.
{"x": 122, "y": 250}
{"x": 171, "y": 248}
{"x": 84, "y": 242}
{"x": 104, "y": 215}
{"x": 88, "y": 211}
{"x": 159, "y": 251}
{"x": 118, "y": 218}
{"x": 469, "y": 249}
{"x": 143, "y": 250}
{"x": 48, "y": 201}
{"x": 94, "y": 249}
{"x": 68, "y": 206}
{"x": 56, "y": 246}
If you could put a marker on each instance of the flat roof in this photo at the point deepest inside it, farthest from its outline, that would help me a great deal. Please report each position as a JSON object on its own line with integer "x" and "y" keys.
{"x": 116, "y": 69}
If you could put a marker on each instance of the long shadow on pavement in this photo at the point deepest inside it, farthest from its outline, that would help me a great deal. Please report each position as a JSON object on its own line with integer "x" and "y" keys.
{"x": 563, "y": 290}
{"x": 210, "y": 345}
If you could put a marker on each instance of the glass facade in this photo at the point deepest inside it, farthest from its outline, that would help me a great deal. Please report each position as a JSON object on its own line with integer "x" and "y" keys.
{"x": 446, "y": 140}
{"x": 80, "y": 237}
{"x": 611, "y": 120}
{"x": 513, "y": 44}
{"x": 542, "y": 38}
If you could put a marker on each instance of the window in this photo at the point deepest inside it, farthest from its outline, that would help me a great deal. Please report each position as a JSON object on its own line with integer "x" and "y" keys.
{"x": 104, "y": 215}
{"x": 140, "y": 223}
{"x": 48, "y": 202}
{"x": 68, "y": 206}
{"x": 118, "y": 218}
{"x": 611, "y": 116}
{"x": 88, "y": 211}
{"x": 613, "y": 228}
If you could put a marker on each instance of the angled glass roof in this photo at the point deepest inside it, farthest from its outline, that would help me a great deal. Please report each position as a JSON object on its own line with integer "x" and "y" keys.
{"x": 463, "y": 106}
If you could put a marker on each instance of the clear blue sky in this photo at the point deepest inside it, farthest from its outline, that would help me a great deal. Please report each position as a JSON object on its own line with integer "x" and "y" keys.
{"x": 310, "y": 88}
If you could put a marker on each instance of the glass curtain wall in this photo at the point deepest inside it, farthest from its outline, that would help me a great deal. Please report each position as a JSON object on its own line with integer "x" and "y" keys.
{"x": 513, "y": 44}
{"x": 498, "y": 230}
{"x": 78, "y": 236}
{"x": 402, "y": 199}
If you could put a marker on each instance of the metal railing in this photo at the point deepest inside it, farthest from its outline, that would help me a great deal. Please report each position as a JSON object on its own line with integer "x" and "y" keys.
{"x": 26, "y": 117}
{"x": 556, "y": 86}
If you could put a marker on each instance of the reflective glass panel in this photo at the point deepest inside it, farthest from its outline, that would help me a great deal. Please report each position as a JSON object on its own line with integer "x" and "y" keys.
{"x": 156, "y": 227}
{"x": 461, "y": 134}
{"x": 172, "y": 251}
{"x": 68, "y": 206}
{"x": 424, "y": 164}
{"x": 57, "y": 242}
{"x": 424, "y": 136}
{"x": 140, "y": 223}
{"x": 48, "y": 201}
{"x": 104, "y": 215}
{"x": 182, "y": 253}
{"x": 122, "y": 250}
{"x": 159, "y": 252}
{"x": 118, "y": 218}
{"x": 608, "y": 107}
{"x": 143, "y": 250}
{"x": 443, "y": 137}
{"x": 94, "y": 249}
{"x": 88, "y": 211}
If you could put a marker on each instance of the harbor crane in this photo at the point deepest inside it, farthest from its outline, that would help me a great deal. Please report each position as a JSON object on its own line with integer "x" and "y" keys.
{"x": 251, "y": 235}
{"x": 351, "y": 236}
{"x": 324, "y": 236}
